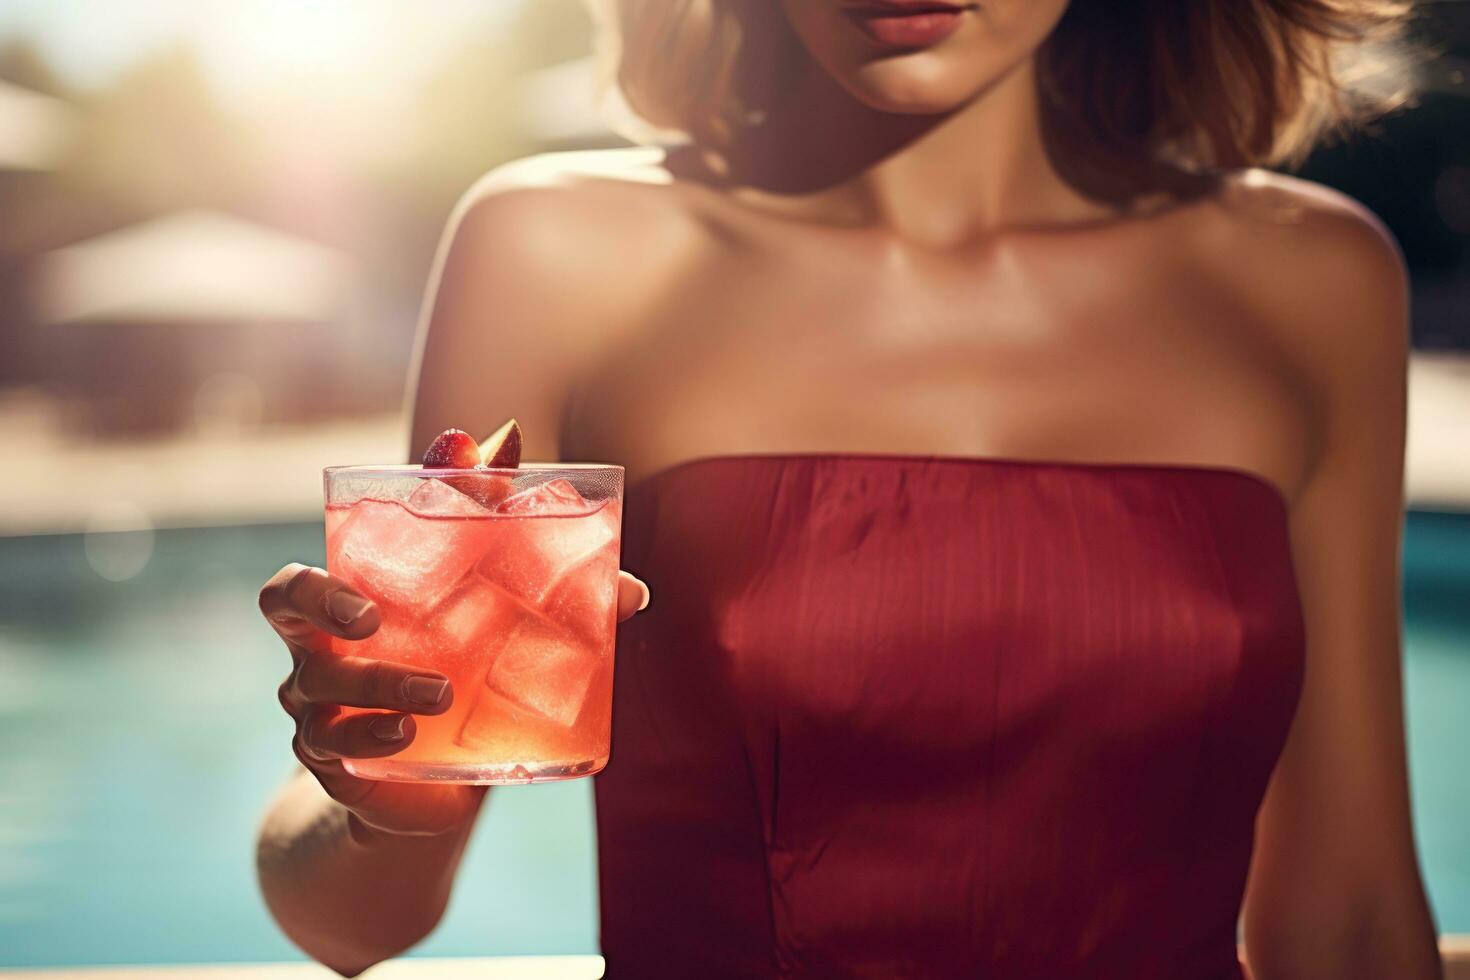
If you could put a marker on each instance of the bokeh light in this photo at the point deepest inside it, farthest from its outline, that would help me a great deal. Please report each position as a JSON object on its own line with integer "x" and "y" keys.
{"x": 118, "y": 541}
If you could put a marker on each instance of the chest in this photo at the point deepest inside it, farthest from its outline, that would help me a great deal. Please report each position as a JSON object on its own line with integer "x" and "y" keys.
{"x": 1007, "y": 351}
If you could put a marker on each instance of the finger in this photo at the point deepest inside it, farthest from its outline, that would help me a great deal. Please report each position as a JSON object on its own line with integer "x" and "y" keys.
{"x": 404, "y": 809}
{"x": 291, "y": 702}
{"x": 349, "y": 790}
{"x": 339, "y": 784}
{"x": 633, "y": 595}
{"x": 302, "y": 602}
{"x": 415, "y": 809}
{"x": 328, "y": 734}
{"x": 329, "y": 678}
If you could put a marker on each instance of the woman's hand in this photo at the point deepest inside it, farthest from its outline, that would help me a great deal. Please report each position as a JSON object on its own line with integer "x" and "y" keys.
{"x": 307, "y": 607}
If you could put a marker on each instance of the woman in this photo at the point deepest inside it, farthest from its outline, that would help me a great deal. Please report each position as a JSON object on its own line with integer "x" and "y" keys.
{"x": 1018, "y": 472}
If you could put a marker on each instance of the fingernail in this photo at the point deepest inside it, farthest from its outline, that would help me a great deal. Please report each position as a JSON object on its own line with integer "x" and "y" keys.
{"x": 424, "y": 690}
{"x": 646, "y": 596}
{"x": 346, "y": 607}
{"x": 388, "y": 729}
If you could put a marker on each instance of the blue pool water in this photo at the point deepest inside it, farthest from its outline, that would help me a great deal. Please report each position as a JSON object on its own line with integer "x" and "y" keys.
{"x": 140, "y": 739}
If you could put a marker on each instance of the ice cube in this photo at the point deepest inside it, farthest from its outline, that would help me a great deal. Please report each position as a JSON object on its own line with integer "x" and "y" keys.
{"x": 529, "y": 555}
{"x": 552, "y": 497}
{"x": 564, "y": 541}
{"x": 472, "y": 622}
{"x": 583, "y": 597}
{"x": 396, "y": 639}
{"x": 488, "y": 489}
{"x": 401, "y": 559}
{"x": 546, "y": 669}
{"x": 498, "y": 728}
{"x": 435, "y": 498}
{"x": 459, "y": 637}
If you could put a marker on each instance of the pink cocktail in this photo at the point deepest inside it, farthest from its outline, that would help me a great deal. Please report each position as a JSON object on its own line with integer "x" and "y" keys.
{"x": 505, "y": 581}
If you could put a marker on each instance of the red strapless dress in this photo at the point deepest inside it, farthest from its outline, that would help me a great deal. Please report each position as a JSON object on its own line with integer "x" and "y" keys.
{"x": 930, "y": 716}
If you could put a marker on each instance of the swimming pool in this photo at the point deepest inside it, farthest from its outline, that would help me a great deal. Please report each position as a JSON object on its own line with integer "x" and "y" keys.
{"x": 141, "y": 739}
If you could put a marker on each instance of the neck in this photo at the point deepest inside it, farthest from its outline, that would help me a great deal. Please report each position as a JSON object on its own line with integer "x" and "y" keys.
{"x": 940, "y": 180}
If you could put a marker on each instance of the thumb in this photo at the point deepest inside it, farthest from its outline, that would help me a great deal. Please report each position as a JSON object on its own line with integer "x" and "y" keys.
{"x": 633, "y": 595}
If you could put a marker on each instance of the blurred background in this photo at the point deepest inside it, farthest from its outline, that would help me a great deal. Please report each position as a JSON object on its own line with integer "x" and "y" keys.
{"x": 185, "y": 186}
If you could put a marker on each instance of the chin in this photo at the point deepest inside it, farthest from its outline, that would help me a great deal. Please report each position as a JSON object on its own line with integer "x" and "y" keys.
{"x": 889, "y": 57}
{"x": 918, "y": 84}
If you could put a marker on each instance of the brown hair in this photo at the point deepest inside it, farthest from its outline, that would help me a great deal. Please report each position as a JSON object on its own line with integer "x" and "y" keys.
{"x": 1197, "y": 84}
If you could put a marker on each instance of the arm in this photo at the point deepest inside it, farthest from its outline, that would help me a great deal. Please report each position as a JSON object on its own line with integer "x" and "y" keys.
{"x": 352, "y": 870}
{"x": 350, "y": 899}
{"x": 1334, "y": 888}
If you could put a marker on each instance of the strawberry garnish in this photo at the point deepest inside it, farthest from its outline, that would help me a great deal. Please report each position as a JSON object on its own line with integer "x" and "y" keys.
{"x": 502, "y": 450}
{"x": 453, "y": 449}
{"x": 457, "y": 449}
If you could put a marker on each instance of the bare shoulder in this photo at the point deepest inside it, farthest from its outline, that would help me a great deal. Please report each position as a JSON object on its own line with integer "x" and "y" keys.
{"x": 1276, "y": 211}
{"x": 546, "y": 264}
{"x": 570, "y": 184}
{"x": 1319, "y": 271}
{"x": 610, "y": 221}
{"x": 1292, "y": 239}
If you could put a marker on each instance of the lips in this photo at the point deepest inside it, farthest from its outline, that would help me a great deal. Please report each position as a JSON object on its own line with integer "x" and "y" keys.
{"x": 907, "y": 23}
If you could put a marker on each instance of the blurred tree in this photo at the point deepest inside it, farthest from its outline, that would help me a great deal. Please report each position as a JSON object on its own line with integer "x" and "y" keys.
{"x": 468, "y": 121}
{"x": 33, "y": 218}
{"x": 158, "y": 140}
